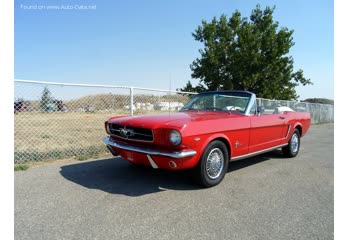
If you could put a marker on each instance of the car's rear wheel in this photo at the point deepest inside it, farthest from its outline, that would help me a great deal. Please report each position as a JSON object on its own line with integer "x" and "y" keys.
{"x": 213, "y": 164}
{"x": 292, "y": 149}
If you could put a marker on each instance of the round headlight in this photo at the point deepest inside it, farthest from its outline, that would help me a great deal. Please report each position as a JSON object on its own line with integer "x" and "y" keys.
{"x": 175, "y": 137}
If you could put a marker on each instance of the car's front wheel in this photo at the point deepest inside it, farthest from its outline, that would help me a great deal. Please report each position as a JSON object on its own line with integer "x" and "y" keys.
{"x": 292, "y": 149}
{"x": 213, "y": 164}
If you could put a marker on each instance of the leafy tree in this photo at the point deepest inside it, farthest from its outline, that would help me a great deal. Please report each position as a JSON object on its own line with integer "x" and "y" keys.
{"x": 249, "y": 55}
{"x": 46, "y": 99}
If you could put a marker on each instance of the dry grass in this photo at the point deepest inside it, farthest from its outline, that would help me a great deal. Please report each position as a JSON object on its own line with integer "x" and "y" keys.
{"x": 41, "y": 136}
{"x": 49, "y": 131}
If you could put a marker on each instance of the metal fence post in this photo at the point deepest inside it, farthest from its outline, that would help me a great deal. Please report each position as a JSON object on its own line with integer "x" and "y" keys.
{"x": 131, "y": 101}
{"x": 320, "y": 112}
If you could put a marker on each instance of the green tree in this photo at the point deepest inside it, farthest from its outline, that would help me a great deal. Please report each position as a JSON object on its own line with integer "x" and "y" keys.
{"x": 46, "y": 99}
{"x": 249, "y": 55}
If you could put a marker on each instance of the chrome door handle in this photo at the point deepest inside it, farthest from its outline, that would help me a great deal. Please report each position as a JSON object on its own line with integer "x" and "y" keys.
{"x": 282, "y": 117}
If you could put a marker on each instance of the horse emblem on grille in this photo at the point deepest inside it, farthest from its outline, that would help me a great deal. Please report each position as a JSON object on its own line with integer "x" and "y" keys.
{"x": 126, "y": 132}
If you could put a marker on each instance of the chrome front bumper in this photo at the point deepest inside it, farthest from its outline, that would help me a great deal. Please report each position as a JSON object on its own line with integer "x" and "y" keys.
{"x": 183, "y": 154}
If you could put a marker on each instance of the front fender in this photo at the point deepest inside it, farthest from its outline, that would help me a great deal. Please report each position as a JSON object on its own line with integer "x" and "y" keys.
{"x": 200, "y": 145}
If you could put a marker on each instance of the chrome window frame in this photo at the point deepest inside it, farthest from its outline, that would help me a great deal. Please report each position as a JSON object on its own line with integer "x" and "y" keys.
{"x": 251, "y": 101}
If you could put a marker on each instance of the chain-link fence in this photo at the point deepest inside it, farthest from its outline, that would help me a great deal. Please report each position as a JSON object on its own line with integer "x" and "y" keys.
{"x": 320, "y": 113}
{"x": 56, "y": 121}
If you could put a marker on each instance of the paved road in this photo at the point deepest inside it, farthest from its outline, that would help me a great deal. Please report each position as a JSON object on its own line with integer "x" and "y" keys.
{"x": 265, "y": 197}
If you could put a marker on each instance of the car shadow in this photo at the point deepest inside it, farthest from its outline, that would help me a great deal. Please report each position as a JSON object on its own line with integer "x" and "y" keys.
{"x": 117, "y": 176}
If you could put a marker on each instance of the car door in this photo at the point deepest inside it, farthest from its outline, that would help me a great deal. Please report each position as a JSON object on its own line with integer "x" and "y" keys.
{"x": 266, "y": 131}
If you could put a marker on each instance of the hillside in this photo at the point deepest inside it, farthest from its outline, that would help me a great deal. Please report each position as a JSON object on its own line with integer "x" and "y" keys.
{"x": 114, "y": 101}
{"x": 319, "y": 100}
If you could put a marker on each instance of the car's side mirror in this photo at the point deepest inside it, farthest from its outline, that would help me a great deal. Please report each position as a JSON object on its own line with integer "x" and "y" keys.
{"x": 261, "y": 109}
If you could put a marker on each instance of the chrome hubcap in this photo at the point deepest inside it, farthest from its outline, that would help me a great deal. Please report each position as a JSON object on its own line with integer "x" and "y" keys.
{"x": 294, "y": 143}
{"x": 215, "y": 163}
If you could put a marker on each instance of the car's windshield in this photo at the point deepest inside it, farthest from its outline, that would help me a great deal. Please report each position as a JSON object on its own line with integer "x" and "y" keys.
{"x": 220, "y": 101}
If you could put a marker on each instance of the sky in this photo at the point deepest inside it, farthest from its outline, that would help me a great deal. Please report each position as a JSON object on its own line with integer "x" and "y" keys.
{"x": 150, "y": 44}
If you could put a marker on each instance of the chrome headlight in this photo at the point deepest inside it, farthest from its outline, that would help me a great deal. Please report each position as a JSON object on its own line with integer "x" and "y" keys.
{"x": 175, "y": 137}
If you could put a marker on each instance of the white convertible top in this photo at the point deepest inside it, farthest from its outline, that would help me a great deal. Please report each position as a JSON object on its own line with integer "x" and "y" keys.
{"x": 279, "y": 110}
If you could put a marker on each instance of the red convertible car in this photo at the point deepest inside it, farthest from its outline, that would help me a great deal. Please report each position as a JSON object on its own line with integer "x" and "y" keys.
{"x": 212, "y": 129}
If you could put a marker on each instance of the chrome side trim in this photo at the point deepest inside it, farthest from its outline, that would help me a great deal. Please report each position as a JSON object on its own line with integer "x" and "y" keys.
{"x": 153, "y": 164}
{"x": 289, "y": 127}
{"x": 257, "y": 153}
{"x": 184, "y": 154}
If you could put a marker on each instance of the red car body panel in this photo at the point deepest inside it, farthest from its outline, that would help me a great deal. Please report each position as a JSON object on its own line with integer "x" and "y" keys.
{"x": 243, "y": 135}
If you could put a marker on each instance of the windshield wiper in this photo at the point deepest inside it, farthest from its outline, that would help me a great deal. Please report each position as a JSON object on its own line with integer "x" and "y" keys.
{"x": 188, "y": 109}
{"x": 213, "y": 108}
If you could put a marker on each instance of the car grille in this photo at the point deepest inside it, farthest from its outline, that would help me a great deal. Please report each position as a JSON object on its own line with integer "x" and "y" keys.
{"x": 132, "y": 133}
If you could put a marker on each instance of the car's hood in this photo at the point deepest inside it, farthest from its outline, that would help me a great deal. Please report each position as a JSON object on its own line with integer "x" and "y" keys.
{"x": 177, "y": 120}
